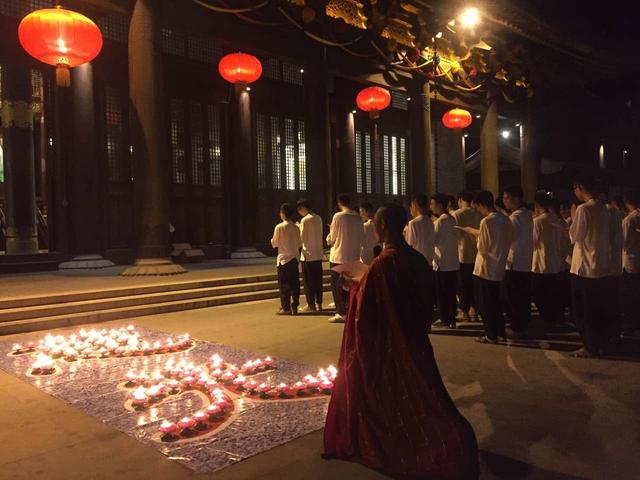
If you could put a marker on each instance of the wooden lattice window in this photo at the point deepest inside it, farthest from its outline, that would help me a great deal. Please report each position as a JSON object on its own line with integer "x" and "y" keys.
{"x": 177, "y": 136}
{"x": 115, "y": 138}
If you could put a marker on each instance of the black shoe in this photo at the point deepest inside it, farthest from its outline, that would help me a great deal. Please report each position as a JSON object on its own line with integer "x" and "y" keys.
{"x": 294, "y": 310}
{"x": 283, "y": 311}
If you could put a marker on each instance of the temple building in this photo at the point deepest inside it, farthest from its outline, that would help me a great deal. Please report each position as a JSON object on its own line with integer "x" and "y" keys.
{"x": 150, "y": 148}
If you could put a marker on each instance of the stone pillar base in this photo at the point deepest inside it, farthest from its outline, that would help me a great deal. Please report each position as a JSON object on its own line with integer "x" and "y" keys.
{"x": 247, "y": 253}
{"x": 81, "y": 262}
{"x": 153, "y": 266}
{"x": 21, "y": 245}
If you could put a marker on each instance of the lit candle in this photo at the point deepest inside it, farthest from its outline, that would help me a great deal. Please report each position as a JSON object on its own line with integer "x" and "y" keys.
{"x": 200, "y": 416}
{"x": 264, "y": 387}
{"x": 132, "y": 378}
{"x": 282, "y": 388}
{"x": 251, "y": 385}
{"x": 173, "y": 385}
{"x": 227, "y": 377}
{"x": 312, "y": 382}
{"x": 268, "y": 361}
{"x": 139, "y": 397}
{"x": 333, "y": 372}
{"x": 43, "y": 365}
{"x": 239, "y": 381}
{"x": 326, "y": 385}
{"x": 213, "y": 410}
{"x": 167, "y": 427}
{"x": 17, "y": 348}
{"x": 186, "y": 423}
{"x": 188, "y": 381}
{"x": 299, "y": 387}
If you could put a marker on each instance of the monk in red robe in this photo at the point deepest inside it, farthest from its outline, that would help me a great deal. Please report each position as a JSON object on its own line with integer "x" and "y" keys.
{"x": 390, "y": 409}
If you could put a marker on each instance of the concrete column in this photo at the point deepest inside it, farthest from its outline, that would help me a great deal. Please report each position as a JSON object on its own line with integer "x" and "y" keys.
{"x": 243, "y": 177}
{"x": 148, "y": 137}
{"x": 84, "y": 178}
{"x": 528, "y": 168}
{"x": 19, "y": 169}
{"x": 489, "y": 172}
{"x": 422, "y": 139}
{"x": 451, "y": 174}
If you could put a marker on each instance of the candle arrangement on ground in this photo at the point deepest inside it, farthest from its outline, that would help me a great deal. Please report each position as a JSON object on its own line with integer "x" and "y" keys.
{"x": 177, "y": 377}
{"x": 120, "y": 342}
{"x": 181, "y": 403}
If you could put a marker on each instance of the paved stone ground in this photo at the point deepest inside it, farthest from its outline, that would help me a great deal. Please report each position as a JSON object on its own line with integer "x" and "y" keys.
{"x": 537, "y": 413}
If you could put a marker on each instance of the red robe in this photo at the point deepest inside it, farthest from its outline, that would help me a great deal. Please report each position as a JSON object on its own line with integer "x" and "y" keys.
{"x": 390, "y": 409}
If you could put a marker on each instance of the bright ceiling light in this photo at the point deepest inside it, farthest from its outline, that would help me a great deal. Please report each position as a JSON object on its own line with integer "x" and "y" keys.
{"x": 470, "y": 17}
{"x": 505, "y": 133}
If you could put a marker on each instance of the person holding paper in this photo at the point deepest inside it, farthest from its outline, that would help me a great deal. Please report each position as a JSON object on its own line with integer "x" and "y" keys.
{"x": 390, "y": 409}
{"x": 346, "y": 235}
{"x": 311, "y": 255}
{"x": 465, "y": 216}
{"x": 445, "y": 260}
{"x": 494, "y": 240}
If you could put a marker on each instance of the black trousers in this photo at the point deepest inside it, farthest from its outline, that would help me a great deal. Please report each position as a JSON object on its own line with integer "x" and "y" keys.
{"x": 289, "y": 285}
{"x": 446, "y": 295}
{"x": 630, "y": 304}
{"x": 465, "y": 287}
{"x": 547, "y": 295}
{"x": 487, "y": 294}
{"x": 590, "y": 301}
{"x": 614, "y": 308}
{"x": 312, "y": 278}
{"x": 517, "y": 296}
{"x": 340, "y": 296}
{"x": 565, "y": 292}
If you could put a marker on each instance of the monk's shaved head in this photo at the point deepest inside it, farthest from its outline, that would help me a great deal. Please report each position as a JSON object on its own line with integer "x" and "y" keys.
{"x": 390, "y": 221}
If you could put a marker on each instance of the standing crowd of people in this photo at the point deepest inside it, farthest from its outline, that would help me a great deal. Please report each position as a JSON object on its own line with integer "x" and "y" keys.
{"x": 489, "y": 259}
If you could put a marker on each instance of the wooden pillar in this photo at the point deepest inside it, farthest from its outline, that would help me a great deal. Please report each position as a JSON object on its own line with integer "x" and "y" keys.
{"x": 244, "y": 181}
{"x": 451, "y": 173}
{"x": 19, "y": 168}
{"x": 421, "y": 138}
{"x": 85, "y": 226}
{"x": 318, "y": 137}
{"x": 528, "y": 168}
{"x": 489, "y": 172}
{"x": 346, "y": 154}
{"x": 148, "y": 137}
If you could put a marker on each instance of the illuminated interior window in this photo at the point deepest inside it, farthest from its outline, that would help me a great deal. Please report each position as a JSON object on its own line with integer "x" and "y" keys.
{"x": 116, "y": 149}
{"x": 215, "y": 145}
{"x": 197, "y": 147}
{"x": 402, "y": 153}
{"x": 289, "y": 155}
{"x": 261, "y": 149}
{"x": 302, "y": 157}
{"x": 386, "y": 161}
{"x": 177, "y": 131}
{"x": 358, "y": 161}
{"x": 367, "y": 162}
{"x": 276, "y": 156}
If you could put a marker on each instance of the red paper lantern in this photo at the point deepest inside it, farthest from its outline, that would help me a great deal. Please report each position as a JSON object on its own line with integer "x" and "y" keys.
{"x": 60, "y": 37}
{"x": 457, "y": 118}
{"x": 240, "y": 68}
{"x": 373, "y": 100}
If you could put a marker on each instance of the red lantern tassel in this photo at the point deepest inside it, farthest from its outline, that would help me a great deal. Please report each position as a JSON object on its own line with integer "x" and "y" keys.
{"x": 63, "y": 76}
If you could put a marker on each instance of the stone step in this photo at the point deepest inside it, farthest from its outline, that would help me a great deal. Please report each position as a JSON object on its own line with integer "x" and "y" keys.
{"x": 87, "y": 295}
{"x": 120, "y": 313}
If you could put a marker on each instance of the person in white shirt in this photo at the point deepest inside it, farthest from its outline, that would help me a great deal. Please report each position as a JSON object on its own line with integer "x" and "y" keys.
{"x": 346, "y": 235}
{"x": 311, "y": 255}
{"x": 549, "y": 252}
{"x": 370, "y": 241}
{"x": 465, "y": 216}
{"x": 494, "y": 240}
{"x": 631, "y": 263}
{"x": 445, "y": 260}
{"x": 517, "y": 281}
{"x": 419, "y": 235}
{"x": 286, "y": 238}
{"x": 590, "y": 266}
{"x": 419, "y": 232}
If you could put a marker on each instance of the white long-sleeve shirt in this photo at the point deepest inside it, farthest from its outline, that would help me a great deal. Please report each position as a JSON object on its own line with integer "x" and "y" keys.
{"x": 368, "y": 243}
{"x": 467, "y": 248}
{"x": 345, "y": 237}
{"x": 521, "y": 250}
{"x": 445, "y": 238}
{"x": 549, "y": 244}
{"x": 631, "y": 244}
{"x": 419, "y": 234}
{"x": 590, "y": 235}
{"x": 494, "y": 241}
{"x": 286, "y": 238}
{"x": 311, "y": 235}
